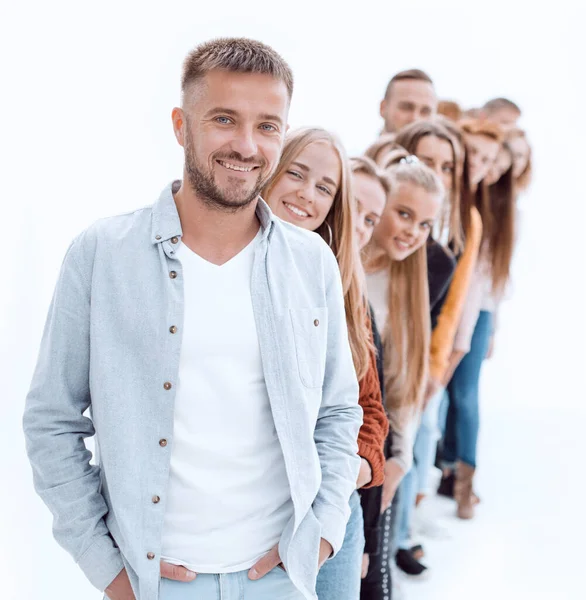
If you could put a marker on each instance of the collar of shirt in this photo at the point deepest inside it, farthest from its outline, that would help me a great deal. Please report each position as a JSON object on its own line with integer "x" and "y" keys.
{"x": 166, "y": 224}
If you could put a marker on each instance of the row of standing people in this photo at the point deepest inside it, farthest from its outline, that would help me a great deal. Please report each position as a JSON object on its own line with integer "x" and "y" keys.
{"x": 434, "y": 213}
{"x": 422, "y": 230}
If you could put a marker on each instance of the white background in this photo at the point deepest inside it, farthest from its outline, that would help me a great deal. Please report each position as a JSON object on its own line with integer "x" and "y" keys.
{"x": 87, "y": 95}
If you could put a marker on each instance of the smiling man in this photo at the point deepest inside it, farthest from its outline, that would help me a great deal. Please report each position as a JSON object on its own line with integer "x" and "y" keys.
{"x": 410, "y": 96}
{"x": 209, "y": 341}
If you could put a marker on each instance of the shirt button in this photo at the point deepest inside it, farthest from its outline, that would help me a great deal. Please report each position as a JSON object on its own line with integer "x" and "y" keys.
{"x": 150, "y": 555}
{"x": 173, "y": 329}
{"x": 174, "y": 240}
{"x": 167, "y": 385}
{"x": 316, "y": 322}
{"x": 163, "y": 443}
{"x": 156, "y": 499}
{"x": 173, "y": 274}
{"x": 157, "y": 237}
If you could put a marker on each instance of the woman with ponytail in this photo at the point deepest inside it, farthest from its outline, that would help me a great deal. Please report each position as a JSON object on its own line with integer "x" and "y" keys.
{"x": 312, "y": 188}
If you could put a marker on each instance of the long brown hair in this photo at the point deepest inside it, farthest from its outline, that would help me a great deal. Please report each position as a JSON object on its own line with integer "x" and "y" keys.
{"x": 500, "y": 226}
{"x": 496, "y": 205}
{"x": 467, "y": 201}
{"x": 409, "y": 138}
{"x": 340, "y": 221}
{"x": 524, "y": 180}
{"x": 406, "y": 335}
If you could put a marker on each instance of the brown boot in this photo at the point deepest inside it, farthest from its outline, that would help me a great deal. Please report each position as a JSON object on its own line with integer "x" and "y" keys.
{"x": 463, "y": 493}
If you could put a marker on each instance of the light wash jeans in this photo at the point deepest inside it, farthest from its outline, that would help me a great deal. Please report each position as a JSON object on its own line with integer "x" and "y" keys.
{"x": 416, "y": 481}
{"x": 275, "y": 585}
{"x": 339, "y": 578}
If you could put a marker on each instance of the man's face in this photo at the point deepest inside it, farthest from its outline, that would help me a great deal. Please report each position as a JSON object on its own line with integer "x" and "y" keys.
{"x": 232, "y": 128}
{"x": 409, "y": 100}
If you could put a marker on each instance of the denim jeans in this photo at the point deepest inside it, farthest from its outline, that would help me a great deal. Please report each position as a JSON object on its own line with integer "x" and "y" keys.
{"x": 340, "y": 576}
{"x": 416, "y": 480}
{"x": 232, "y": 586}
{"x": 463, "y": 420}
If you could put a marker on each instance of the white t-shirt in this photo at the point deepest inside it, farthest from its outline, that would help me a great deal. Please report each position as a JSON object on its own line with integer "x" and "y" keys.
{"x": 405, "y": 421}
{"x": 228, "y": 496}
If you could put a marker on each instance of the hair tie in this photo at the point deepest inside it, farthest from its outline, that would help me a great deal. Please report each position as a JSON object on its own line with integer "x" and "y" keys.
{"x": 409, "y": 160}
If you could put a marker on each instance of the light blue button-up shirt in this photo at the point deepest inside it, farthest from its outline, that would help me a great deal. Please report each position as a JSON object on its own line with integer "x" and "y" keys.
{"x": 112, "y": 343}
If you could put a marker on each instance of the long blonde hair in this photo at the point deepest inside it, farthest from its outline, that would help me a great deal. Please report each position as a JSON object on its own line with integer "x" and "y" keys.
{"x": 342, "y": 240}
{"x": 406, "y": 335}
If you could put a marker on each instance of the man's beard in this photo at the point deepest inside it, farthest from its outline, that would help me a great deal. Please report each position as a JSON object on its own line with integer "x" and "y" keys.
{"x": 202, "y": 181}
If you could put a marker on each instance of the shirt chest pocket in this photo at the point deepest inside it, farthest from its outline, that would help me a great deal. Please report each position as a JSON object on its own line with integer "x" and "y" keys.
{"x": 310, "y": 332}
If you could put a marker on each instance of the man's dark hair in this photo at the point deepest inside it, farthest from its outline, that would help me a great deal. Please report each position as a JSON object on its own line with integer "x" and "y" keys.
{"x": 237, "y": 55}
{"x": 410, "y": 74}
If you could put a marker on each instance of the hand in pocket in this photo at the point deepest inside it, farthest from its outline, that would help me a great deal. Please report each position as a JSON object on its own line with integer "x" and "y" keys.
{"x": 176, "y": 572}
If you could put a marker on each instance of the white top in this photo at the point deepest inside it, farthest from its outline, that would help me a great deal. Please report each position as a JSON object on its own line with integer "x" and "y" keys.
{"x": 228, "y": 496}
{"x": 403, "y": 422}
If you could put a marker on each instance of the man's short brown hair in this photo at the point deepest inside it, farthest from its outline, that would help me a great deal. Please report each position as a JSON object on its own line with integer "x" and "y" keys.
{"x": 410, "y": 74}
{"x": 237, "y": 55}
{"x": 496, "y": 104}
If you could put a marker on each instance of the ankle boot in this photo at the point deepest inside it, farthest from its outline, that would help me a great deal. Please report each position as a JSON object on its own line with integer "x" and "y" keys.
{"x": 463, "y": 493}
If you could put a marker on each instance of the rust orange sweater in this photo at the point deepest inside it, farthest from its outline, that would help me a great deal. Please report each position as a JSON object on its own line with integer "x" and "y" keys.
{"x": 375, "y": 426}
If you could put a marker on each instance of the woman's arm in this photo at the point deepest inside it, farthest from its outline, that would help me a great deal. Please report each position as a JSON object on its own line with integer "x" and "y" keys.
{"x": 444, "y": 334}
{"x": 375, "y": 427}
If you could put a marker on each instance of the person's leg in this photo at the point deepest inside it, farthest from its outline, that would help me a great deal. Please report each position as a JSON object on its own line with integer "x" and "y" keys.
{"x": 426, "y": 442}
{"x": 449, "y": 449}
{"x": 424, "y": 452}
{"x": 387, "y": 551}
{"x": 408, "y": 487}
{"x": 274, "y": 585}
{"x": 464, "y": 391}
{"x": 443, "y": 412}
{"x": 340, "y": 576}
{"x": 464, "y": 388}
{"x": 403, "y": 556}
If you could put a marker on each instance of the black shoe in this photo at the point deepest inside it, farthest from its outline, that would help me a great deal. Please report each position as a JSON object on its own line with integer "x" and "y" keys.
{"x": 446, "y": 486}
{"x": 408, "y": 564}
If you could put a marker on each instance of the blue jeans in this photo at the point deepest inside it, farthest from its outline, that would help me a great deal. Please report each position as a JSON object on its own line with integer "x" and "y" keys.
{"x": 463, "y": 420}
{"x": 416, "y": 480}
{"x": 340, "y": 576}
{"x": 232, "y": 586}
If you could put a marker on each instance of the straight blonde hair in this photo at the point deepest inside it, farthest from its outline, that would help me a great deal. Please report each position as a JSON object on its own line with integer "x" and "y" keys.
{"x": 406, "y": 335}
{"x": 342, "y": 240}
